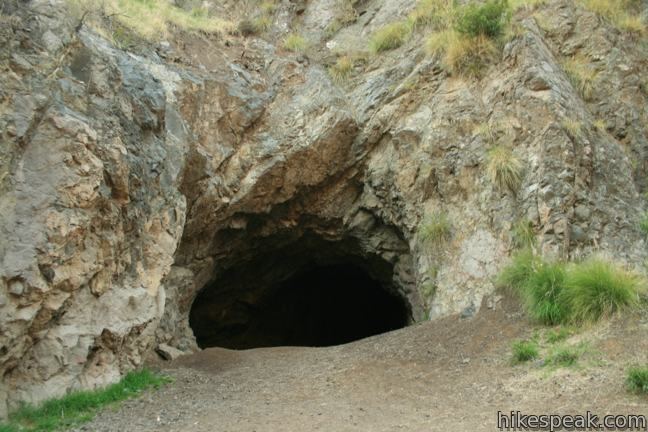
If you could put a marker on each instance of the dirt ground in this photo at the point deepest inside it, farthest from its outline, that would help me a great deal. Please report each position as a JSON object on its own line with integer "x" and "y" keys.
{"x": 450, "y": 374}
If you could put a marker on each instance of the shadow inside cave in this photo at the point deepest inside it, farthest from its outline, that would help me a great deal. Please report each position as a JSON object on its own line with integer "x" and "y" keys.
{"x": 319, "y": 305}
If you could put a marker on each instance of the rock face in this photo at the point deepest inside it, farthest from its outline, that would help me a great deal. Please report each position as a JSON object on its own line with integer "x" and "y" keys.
{"x": 128, "y": 183}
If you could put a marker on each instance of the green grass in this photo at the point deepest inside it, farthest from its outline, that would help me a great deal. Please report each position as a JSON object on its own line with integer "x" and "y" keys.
{"x": 557, "y": 335}
{"x": 643, "y": 223}
{"x": 516, "y": 274}
{"x": 79, "y": 407}
{"x": 435, "y": 228}
{"x": 524, "y": 351}
{"x": 542, "y": 294}
{"x": 466, "y": 38}
{"x": 557, "y": 293}
{"x": 596, "y": 288}
{"x": 504, "y": 168}
{"x": 390, "y": 36}
{"x": 565, "y": 356}
{"x": 294, "y": 42}
{"x": 637, "y": 379}
{"x": 487, "y": 19}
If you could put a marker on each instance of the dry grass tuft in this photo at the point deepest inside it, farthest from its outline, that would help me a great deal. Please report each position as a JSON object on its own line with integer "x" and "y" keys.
{"x": 624, "y": 14}
{"x": 460, "y": 54}
{"x": 152, "y": 19}
{"x": 342, "y": 69}
{"x": 294, "y": 42}
{"x": 582, "y": 74}
{"x": 504, "y": 168}
{"x": 390, "y": 37}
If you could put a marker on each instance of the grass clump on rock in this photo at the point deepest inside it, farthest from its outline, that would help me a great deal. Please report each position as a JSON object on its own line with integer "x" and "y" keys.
{"x": 504, "y": 168}
{"x": 342, "y": 69}
{"x": 583, "y": 75}
{"x": 436, "y": 229}
{"x": 79, "y": 407}
{"x": 390, "y": 36}
{"x": 468, "y": 41}
{"x": 294, "y": 42}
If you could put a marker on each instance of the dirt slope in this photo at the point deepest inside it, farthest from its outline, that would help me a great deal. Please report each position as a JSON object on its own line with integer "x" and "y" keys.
{"x": 451, "y": 374}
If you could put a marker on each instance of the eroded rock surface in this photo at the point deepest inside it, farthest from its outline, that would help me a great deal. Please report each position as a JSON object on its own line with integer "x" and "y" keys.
{"x": 128, "y": 182}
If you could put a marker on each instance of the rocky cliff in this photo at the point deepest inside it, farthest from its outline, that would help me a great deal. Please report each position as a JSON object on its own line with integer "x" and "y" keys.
{"x": 130, "y": 179}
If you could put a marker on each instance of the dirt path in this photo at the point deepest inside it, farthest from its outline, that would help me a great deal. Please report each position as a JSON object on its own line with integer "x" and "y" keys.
{"x": 451, "y": 374}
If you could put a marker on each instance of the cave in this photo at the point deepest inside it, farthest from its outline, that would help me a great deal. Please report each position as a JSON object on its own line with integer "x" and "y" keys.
{"x": 311, "y": 294}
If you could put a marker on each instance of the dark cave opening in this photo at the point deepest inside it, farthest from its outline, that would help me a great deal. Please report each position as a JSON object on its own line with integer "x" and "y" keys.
{"x": 319, "y": 305}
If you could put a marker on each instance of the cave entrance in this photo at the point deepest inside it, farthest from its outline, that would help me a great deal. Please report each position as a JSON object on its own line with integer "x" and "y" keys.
{"x": 264, "y": 303}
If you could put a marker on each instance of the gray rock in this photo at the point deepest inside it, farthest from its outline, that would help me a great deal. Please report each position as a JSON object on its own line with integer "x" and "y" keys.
{"x": 168, "y": 352}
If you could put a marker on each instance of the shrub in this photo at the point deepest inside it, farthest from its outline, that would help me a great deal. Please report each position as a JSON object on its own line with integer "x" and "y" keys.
{"x": 390, "y": 37}
{"x": 637, "y": 379}
{"x": 487, "y": 19}
{"x": 504, "y": 168}
{"x": 596, "y": 288}
{"x": 543, "y": 292}
{"x": 524, "y": 351}
{"x": 294, "y": 42}
{"x": 435, "y": 229}
{"x": 643, "y": 223}
{"x": 79, "y": 407}
{"x": 342, "y": 69}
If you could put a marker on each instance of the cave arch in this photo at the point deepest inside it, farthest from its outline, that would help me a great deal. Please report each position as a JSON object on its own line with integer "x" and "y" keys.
{"x": 312, "y": 292}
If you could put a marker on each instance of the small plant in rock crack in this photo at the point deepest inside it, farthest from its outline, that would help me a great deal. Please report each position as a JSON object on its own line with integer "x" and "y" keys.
{"x": 435, "y": 228}
{"x": 342, "y": 69}
{"x": 504, "y": 168}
